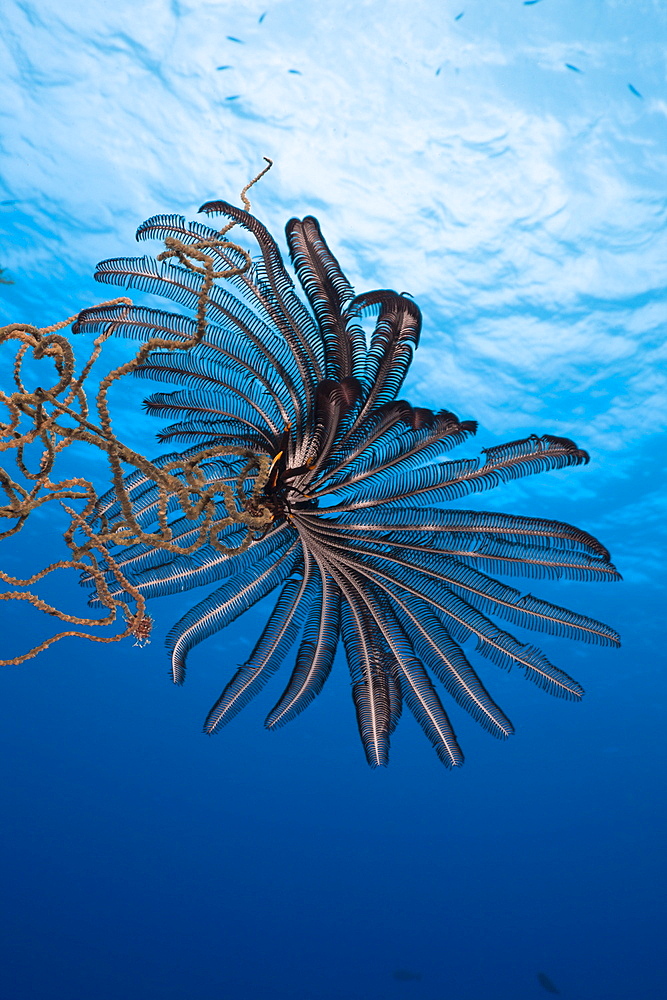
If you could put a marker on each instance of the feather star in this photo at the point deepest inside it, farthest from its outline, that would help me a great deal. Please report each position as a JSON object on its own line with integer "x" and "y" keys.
{"x": 360, "y": 542}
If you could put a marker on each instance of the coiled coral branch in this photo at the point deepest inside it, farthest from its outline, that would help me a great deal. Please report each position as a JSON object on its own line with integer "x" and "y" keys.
{"x": 52, "y": 419}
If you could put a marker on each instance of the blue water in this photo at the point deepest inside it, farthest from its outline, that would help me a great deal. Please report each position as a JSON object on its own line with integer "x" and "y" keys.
{"x": 522, "y": 202}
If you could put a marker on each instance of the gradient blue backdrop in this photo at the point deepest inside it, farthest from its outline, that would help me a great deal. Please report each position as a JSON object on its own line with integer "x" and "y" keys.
{"x": 505, "y": 163}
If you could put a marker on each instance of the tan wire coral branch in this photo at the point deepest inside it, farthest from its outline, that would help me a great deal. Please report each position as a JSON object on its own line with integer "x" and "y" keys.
{"x": 40, "y": 423}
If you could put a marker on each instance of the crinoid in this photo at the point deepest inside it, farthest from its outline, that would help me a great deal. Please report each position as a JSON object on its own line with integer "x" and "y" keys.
{"x": 303, "y": 471}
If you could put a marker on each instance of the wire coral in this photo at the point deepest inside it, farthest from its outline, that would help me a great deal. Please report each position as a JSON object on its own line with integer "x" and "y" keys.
{"x": 302, "y": 471}
{"x": 59, "y": 416}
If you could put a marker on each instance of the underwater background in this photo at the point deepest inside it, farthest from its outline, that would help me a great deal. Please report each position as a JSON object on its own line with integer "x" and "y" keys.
{"x": 505, "y": 163}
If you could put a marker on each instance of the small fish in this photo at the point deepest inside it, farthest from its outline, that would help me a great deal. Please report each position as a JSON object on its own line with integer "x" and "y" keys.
{"x": 459, "y": 16}
{"x": 406, "y": 976}
{"x": 224, "y": 67}
{"x": 437, "y": 72}
{"x": 546, "y": 983}
{"x": 575, "y": 69}
{"x": 261, "y": 18}
{"x": 239, "y": 41}
{"x": 297, "y": 71}
{"x": 633, "y": 90}
{"x": 529, "y": 3}
{"x": 233, "y": 97}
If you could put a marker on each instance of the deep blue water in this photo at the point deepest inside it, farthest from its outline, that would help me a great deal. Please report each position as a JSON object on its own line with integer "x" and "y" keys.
{"x": 522, "y": 201}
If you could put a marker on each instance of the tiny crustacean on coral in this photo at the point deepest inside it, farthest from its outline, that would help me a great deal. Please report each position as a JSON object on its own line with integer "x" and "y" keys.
{"x": 303, "y": 471}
